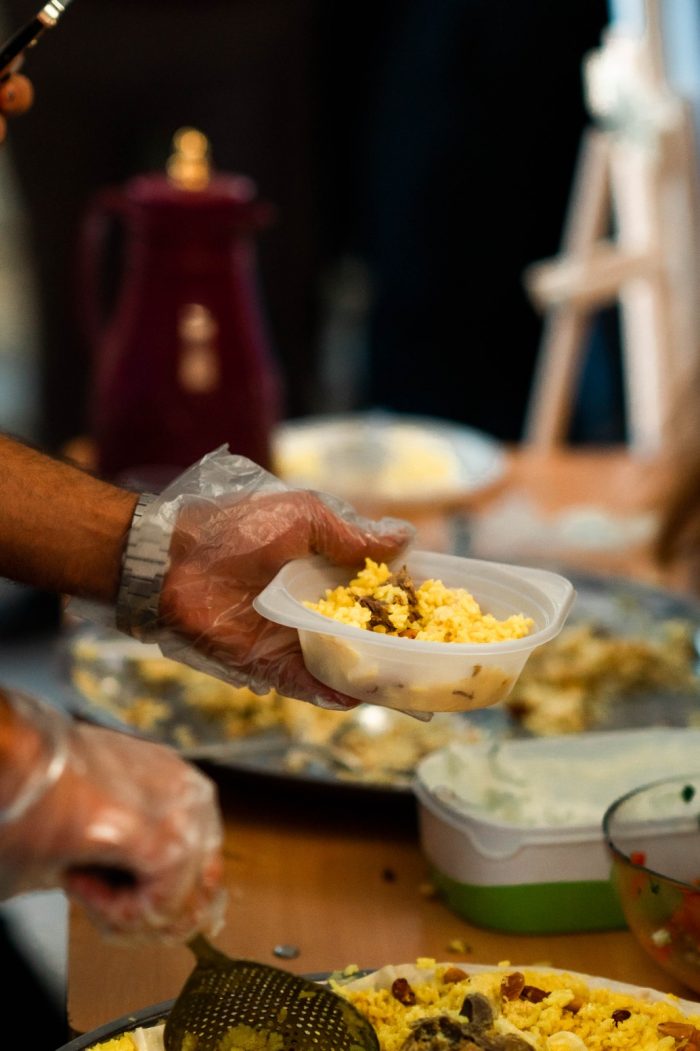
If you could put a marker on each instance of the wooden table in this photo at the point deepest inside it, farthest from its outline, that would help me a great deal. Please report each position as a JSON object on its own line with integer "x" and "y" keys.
{"x": 338, "y": 873}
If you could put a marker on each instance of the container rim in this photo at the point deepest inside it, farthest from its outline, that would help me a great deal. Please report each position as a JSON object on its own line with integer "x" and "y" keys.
{"x": 518, "y": 836}
{"x": 619, "y": 855}
{"x": 554, "y": 592}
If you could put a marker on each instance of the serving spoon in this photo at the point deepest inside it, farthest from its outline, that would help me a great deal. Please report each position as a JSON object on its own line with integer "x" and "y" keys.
{"x": 228, "y": 1004}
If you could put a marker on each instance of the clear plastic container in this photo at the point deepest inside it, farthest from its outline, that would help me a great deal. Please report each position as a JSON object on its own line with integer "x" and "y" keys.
{"x": 522, "y": 848}
{"x": 410, "y": 674}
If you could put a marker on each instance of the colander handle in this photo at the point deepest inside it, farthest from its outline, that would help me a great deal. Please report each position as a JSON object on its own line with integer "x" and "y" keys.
{"x": 205, "y": 952}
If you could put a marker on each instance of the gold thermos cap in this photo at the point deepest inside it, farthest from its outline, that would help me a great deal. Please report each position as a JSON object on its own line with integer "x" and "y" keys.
{"x": 189, "y": 165}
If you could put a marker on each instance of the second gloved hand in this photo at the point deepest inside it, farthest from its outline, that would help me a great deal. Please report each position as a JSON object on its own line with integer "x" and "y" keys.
{"x": 127, "y": 828}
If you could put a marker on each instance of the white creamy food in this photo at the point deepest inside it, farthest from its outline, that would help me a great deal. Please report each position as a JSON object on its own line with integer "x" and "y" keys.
{"x": 556, "y": 782}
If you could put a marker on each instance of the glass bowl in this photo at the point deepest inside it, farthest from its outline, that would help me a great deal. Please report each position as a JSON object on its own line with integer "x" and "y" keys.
{"x": 653, "y": 836}
{"x": 411, "y": 674}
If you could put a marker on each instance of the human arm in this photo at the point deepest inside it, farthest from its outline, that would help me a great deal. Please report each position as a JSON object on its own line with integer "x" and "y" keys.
{"x": 124, "y": 826}
{"x": 61, "y": 529}
{"x": 229, "y": 526}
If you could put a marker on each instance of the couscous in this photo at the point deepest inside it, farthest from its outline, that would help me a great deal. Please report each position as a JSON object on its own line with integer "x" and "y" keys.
{"x": 447, "y": 1007}
{"x": 390, "y": 604}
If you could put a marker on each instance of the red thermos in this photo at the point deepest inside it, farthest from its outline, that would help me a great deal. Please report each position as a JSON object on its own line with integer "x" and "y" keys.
{"x": 183, "y": 365}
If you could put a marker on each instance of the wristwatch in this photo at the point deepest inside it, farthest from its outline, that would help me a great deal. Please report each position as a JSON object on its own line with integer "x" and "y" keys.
{"x": 144, "y": 566}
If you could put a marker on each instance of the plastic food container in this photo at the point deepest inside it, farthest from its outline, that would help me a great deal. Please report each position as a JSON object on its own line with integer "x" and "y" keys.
{"x": 409, "y": 674}
{"x": 514, "y": 836}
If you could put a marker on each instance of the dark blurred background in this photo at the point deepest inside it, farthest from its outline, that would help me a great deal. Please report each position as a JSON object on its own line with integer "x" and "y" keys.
{"x": 419, "y": 153}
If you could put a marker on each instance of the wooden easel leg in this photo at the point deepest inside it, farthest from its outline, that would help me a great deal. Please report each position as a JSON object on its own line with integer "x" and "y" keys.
{"x": 561, "y": 351}
{"x": 556, "y": 377}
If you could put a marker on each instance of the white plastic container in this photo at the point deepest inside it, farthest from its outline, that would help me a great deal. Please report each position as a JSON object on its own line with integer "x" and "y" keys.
{"x": 520, "y": 847}
{"x": 410, "y": 674}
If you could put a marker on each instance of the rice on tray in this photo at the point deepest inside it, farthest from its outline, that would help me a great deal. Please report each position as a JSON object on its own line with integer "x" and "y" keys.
{"x": 448, "y": 1007}
{"x": 390, "y": 604}
{"x": 513, "y": 1009}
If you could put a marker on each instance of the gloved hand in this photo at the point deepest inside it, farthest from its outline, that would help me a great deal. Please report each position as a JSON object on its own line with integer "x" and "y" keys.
{"x": 233, "y": 526}
{"x": 127, "y": 828}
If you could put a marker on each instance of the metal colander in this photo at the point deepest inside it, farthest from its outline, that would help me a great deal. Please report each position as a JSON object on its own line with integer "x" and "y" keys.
{"x": 229, "y": 1004}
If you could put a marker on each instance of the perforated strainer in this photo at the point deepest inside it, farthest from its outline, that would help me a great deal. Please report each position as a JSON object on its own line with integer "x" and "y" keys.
{"x": 228, "y": 1004}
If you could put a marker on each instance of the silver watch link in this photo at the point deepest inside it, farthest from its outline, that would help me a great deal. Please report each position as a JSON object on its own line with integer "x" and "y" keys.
{"x": 144, "y": 566}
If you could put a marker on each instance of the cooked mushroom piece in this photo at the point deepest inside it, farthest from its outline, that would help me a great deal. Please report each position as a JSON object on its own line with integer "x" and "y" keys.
{"x": 478, "y": 1010}
{"x": 441, "y": 1033}
{"x": 476, "y": 1033}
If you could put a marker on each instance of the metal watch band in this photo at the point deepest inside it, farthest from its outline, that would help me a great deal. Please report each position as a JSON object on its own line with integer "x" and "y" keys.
{"x": 143, "y": 569}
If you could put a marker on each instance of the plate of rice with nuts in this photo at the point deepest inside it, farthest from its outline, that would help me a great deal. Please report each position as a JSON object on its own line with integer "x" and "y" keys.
{"x": 428, "y": 1006}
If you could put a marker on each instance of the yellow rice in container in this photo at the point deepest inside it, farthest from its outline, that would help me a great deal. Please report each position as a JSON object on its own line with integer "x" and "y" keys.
{"x": 390, "y": 604}
{"x": 547, "y": 1010}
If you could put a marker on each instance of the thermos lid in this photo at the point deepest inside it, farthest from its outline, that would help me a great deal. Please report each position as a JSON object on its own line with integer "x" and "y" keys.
{"x": 190, "y": 182}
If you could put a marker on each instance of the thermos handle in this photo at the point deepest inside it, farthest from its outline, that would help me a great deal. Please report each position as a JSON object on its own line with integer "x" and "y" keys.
{"x": 105, "y": 207}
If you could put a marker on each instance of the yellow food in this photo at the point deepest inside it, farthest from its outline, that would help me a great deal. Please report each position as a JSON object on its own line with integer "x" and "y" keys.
{"x": 535, "y": 1009}
{"x": 548, "y": 1011}
{"x": 389, "y": 604}
{"x": 370, "y": 744}
{"x": 120, "y": 1043}
{"x": 157, "y": 695}
{"x": 187, "y": 708}
{"x": 569, "y": 683}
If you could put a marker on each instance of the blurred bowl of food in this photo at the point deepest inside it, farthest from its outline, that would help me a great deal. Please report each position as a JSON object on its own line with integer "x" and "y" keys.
{"x": 387, "y": 461}
{"x": 129, "y": 685}
{"x": 652, "y": 834}
{"x": 432, "y": 632}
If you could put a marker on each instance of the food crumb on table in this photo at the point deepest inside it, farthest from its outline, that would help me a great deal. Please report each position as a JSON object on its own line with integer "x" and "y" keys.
{"x": 459, "y": 945}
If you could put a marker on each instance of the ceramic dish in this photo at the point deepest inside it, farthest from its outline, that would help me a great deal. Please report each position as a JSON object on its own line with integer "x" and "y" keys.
{"x": 387, "y": 459}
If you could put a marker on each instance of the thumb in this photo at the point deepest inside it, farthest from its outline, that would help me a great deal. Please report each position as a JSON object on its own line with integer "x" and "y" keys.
{"x": 347, "y": 538}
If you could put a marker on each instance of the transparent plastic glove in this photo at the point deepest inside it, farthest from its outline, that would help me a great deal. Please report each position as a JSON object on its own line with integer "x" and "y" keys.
{"x": 233, "y": 526}
{"x": 127, "y": 828}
